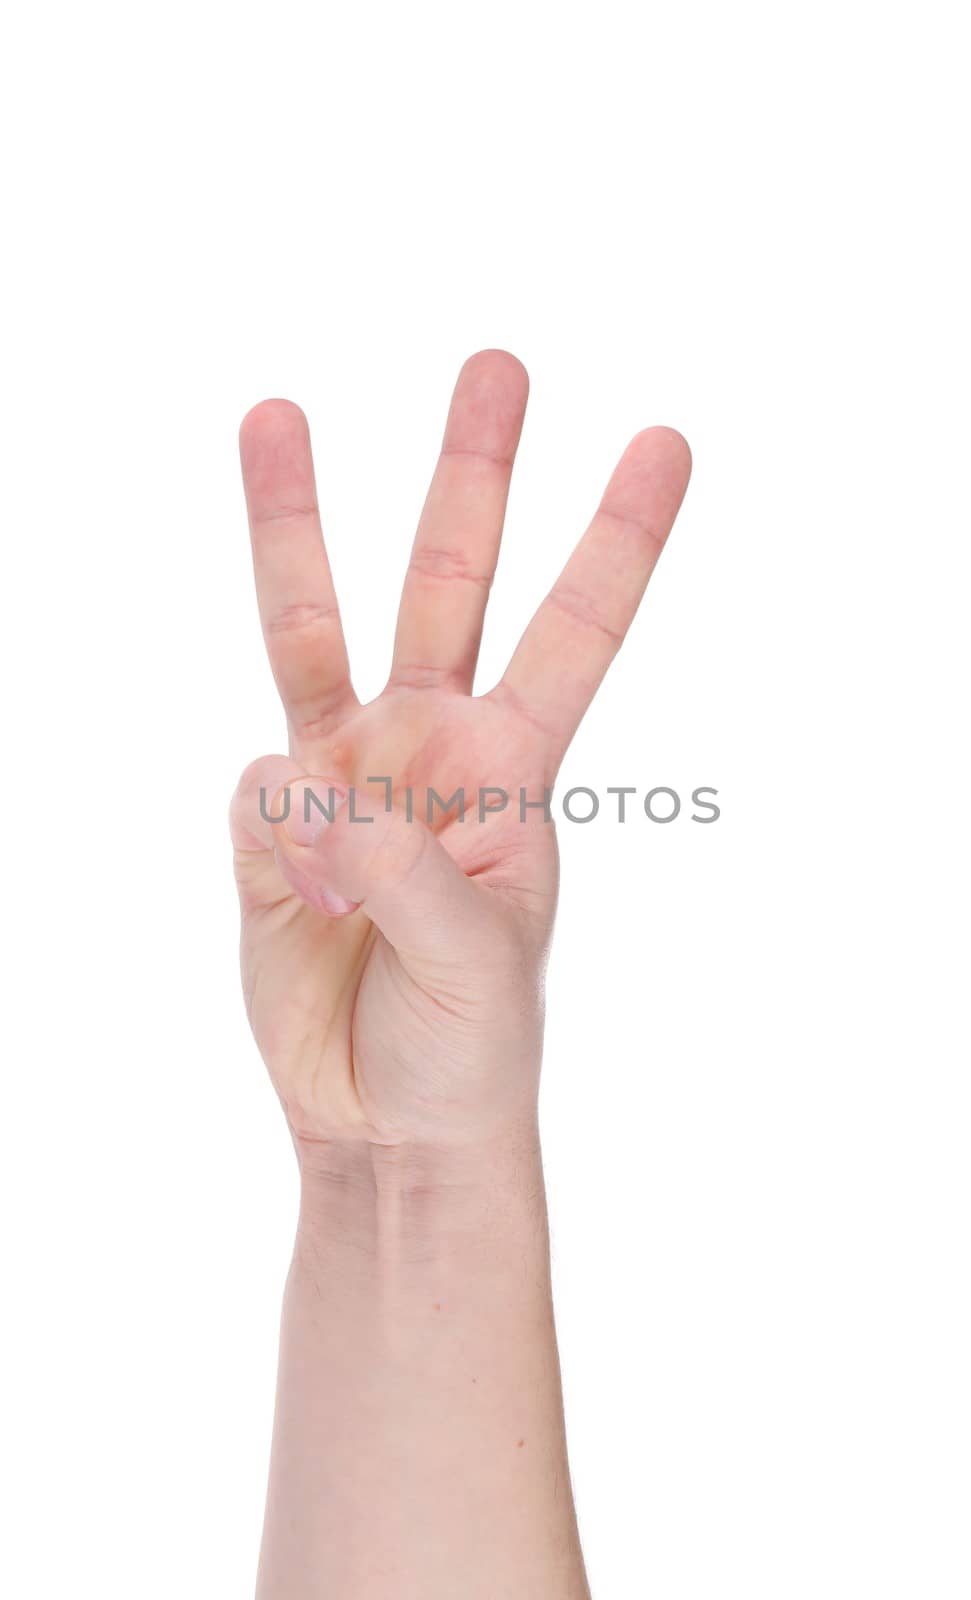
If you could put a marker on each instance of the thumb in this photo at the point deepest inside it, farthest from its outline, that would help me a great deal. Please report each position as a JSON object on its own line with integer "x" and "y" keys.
{"x": 337, "y": 847}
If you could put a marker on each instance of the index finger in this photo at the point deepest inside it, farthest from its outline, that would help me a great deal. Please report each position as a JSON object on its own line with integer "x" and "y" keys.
{"x": 294, "y": 588}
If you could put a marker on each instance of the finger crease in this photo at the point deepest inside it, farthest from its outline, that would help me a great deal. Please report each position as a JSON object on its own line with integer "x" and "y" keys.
{"x": 325, "y": 709}
{"x": 409, "y": 675}
{"x": 448, "y": 564}
{"x": 301, "y": 616}
{"x": 518, "y": 705}
{"x": 492, "y": 456}
{"x": 631, "y": 524}
{"x": 576, "y": 606}
{"x": 285, "y": 514}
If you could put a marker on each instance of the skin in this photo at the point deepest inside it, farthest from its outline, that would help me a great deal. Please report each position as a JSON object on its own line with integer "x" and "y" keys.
{"x": 393, "y": 975}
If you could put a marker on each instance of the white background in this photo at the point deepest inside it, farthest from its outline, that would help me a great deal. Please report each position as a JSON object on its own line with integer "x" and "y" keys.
{"x": 745, "y": 221}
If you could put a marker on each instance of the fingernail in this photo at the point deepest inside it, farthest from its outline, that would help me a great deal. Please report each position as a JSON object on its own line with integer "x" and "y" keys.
{"x": 312, "y": 806}
{"x": 308, "y": 888}
{"x": 334, "y": 904}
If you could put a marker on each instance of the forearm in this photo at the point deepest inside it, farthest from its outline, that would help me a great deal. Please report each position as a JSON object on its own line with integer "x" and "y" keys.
{"x": 419, "y": 1446}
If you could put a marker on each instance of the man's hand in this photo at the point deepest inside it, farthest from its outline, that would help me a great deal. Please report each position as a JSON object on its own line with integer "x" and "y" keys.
{"x": 393, "y": 970}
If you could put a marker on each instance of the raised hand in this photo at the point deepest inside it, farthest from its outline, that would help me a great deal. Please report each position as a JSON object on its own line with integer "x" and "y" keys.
{"x": 393, "y": 968}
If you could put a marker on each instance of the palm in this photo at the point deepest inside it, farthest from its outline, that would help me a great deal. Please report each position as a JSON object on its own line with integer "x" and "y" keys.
{"x": 342, "y": 1023}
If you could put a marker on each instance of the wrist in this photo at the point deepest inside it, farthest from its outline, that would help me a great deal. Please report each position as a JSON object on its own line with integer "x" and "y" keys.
{"x": 410, "y": 1203}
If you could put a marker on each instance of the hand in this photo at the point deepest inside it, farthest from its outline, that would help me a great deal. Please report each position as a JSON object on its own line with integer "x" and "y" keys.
{"x": 393, "y": 971}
